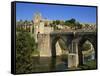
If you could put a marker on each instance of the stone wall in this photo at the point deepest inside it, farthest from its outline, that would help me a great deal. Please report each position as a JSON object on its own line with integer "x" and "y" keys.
{"x": 48, "y": 30}
{"x": 44, "y": 46}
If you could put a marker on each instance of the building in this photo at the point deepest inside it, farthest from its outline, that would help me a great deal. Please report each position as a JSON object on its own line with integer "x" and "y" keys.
{"x": 41, "y": 26}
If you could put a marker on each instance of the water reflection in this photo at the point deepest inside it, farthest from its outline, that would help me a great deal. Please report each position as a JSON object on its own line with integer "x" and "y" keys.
{"x": 45, "y": 64}
{"x": 49, "y": 64}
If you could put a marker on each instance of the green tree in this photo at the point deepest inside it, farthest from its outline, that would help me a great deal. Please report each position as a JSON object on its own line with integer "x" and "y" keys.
{"x": 72, "y": 21}
{"x": 78, "y": 25}
{"x": 57, "y": 22}
{"x": 25, "y": 45}
{"x": 86, "y": 47}
{"x": 73, "y": 24}
{"x": 87, "y": 25}
{"x": 54, "y": 23}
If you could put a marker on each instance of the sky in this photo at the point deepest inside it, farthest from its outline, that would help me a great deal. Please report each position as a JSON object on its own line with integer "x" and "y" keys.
{"x": 26, "y": 11}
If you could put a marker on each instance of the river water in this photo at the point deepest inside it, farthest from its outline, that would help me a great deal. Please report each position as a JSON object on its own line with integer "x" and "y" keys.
{"x": 47, "y": 64}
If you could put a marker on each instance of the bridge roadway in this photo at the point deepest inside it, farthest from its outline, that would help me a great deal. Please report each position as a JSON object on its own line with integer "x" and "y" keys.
{"x": 72, "y": 32}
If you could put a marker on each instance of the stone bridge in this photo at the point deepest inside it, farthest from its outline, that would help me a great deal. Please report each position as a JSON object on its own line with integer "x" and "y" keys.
{"x": 73, "y": 41}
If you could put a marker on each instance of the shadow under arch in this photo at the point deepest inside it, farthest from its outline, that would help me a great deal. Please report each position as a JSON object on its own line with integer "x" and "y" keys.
{"x": 53, "y": 45}
{"x": 80, "y": 44}
{"x": 53, "y": 51}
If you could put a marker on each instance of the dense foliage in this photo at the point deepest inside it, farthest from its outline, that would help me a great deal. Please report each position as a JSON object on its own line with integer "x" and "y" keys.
{"x": 86, "y": 47}
{"x": 25, "y": 45}
{"x": 73, "y": 24}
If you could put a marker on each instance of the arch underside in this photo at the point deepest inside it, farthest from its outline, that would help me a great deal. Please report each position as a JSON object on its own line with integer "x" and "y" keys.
{"x": 92, "y": 40}
{"x": 68, "y": 39}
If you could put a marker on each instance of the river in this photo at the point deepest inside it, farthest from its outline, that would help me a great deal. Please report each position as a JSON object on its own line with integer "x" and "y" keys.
{"x": 47, "y": 64}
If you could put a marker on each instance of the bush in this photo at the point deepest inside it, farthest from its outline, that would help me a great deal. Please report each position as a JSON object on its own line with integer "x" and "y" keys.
{"x": 86, "y": 47}
{"x": 25, "y": 45}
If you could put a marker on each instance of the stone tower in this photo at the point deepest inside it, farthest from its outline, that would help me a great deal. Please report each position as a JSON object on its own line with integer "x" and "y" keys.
{"x": 37, "y": 19}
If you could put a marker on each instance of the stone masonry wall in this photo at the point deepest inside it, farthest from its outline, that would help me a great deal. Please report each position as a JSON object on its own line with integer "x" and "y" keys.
{"x": 44, "y": 45}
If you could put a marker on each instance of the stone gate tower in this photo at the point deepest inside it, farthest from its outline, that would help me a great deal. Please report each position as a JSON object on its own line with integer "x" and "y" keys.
{"x": 41, "y": 35}
{"x": 38, "y": 25}
{"x": 37, "y": 19}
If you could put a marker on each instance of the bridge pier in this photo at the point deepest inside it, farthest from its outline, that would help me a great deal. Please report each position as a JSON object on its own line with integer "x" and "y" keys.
{"x": 72, "y": 60}
{"x": 73, "y": 56}
{"x": 44, "y": 46}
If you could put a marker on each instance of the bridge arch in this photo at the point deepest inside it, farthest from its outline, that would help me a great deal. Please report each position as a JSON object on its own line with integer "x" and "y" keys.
{"x": 92, "y": 40}
{"x": 53, "y": 44}
{"x": 74, "y": 42}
